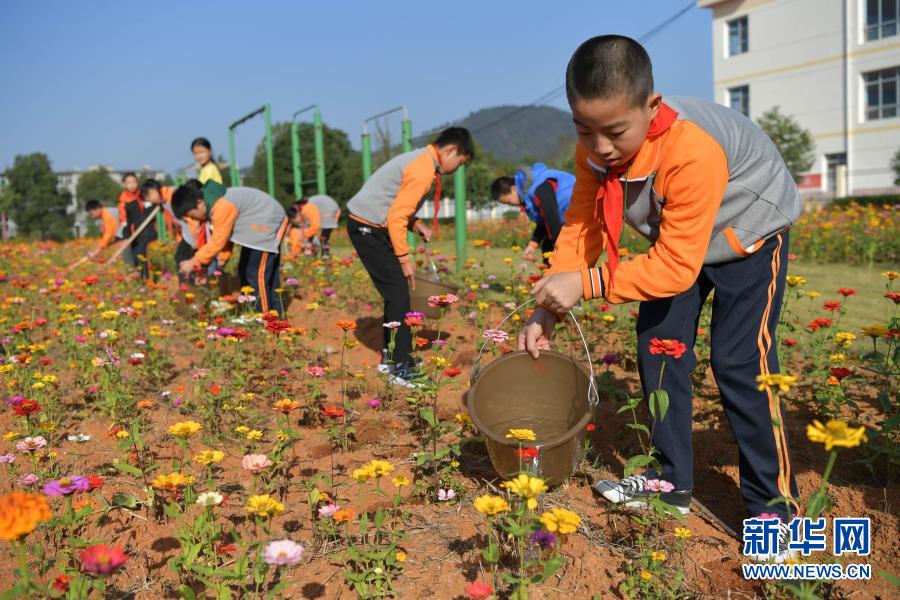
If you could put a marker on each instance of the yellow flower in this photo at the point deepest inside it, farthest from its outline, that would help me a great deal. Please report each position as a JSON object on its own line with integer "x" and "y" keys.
{"x": 362, "y": 474}
{"x": 110, "y": 314}
{"x": 608, "y": 319}
{"x": 282, "y": 436}
{"x": 380, "y": 468}
{"x": 264, "y": 506}
{"x": 547, "y": 254}
{"x": 463, "y": 419}
{"x": 400, "y": 481}
{"x": 241, "y": 429}
{"x": 837, "y": 359}
{"x": 508, "y": 260}
{"x": 683, "y": 533}
{"x": 170, "y": 482}
{"x": 836, "y": 433}
{"x": 254, "y": 435}
{"x": 891, "y": 275}
{"x": 773, "y": 380}
{"x": 246, "y": 289}
{"x": 312, "y": 306}
{"x": 646, "y": 575}
{"x": 123, "y": 434}
{"x": 844, "y": 338}
{"x": 813, "y": 294}
{"x": 10, "y": 435}
{"x": 795, "y": 280}
{"x": 439, "y": 361}
{"x": 185, "y": 429}
{"x": 491, "y": 505}
{"x": 208, "y": 457}
{"x": 658, "y": 556}
{"x": 562, "y": 520}
{"x": 875, "y": 331}
{"x": 523, "y": 435}
{"x": 526, "y": 486}
{"x": 400, "y": 556}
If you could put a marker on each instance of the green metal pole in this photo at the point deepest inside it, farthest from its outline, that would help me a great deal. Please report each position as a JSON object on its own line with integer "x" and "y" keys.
{"x": 235, "y": 176}
{"x": 295, "y": 160}
{"x": 407, "y": 135}
{"x": 319, "y": 136}
{"x": 459, "y": 191}
{"x": 366, "y": 155}
{"x": 161, "y": 232}
{"x": 270, "y": 153}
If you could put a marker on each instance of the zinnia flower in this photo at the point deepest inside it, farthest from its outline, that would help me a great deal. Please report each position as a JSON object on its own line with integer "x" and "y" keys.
{"x": 328, "y": 510}
{"x": 543, "y": 538}
{"x": 20, "y": 514}
{"x": 207, "y": 457}
{"x": 495, "y": 335}
{"x": 491, "y": 505}
{"x": 102, "y": 559}
{"x": 526, "y": 486}
{"x": 67, "y": 485}
{"x": 836, "y": 433}
{"x": 560, "y": 520}
{"x": 479, "y": 591}
{"x": 185, "y": 429}
{"x": 255, "y": 463}
{"x": 264, "y": 505}
{"x": 170, "y": 482}
{"x": 683, "y": 533}
{"x": 286, "y": 406}
{"x": 522, "y": 435}
{"x": 333, "y": 411}
{"x": 210, "y": 499}
{"x": 442, "y": 300}
{"x": 775, "y": 380}
{"x": 345, "y": 324}
{"x": 30, "y": 444}
{"x": 344, "y": 515}
{"x": 658, "y": 485}
{"x": 672, "y": 348}
{"x": 283, "y": 553}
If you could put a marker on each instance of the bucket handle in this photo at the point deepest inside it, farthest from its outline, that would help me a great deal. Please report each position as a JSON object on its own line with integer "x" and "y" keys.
{"x": 593, "y": 394}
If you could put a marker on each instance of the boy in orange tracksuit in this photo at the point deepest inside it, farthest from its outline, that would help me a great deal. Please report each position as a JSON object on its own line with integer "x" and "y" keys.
{"x": 305, "y": 220}
{"x": 712, "y": 194}
{"x": 131, "y": 192}
{"x": 109, "y": 225}
{"x": 381, "y": 213}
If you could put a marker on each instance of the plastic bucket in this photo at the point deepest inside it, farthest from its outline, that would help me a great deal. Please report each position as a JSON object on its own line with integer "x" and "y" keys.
{"x": 553, "y": 395}
{"x": 418, "y": 298}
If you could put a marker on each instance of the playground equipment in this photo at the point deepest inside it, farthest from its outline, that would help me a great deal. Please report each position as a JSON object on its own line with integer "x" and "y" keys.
{"x": 266, "y": 110}
{"x": 406, "y": 128}
{"x": 318, "y": 144}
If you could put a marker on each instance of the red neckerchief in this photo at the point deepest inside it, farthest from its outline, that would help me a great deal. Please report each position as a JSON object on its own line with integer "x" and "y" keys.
{"x": 612, "y": 198}
{"x": 437, "y": 194}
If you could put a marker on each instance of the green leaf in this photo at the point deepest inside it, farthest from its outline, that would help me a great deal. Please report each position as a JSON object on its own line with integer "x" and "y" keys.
{"x": 551, "y": 566}
{"x": 428, "y": 416}
{"x": 186, "y": 592}
{"x": 491, "y": 554}
{"x": 890, "y": 578}
{"x": 659, "y": 404}
{"x": 638, "y": 426}
{"x": 122, "y": 500}
{"x": 635, "y": 462}
{"x": 128, "y": 469}
{"x": 818, "y": 504}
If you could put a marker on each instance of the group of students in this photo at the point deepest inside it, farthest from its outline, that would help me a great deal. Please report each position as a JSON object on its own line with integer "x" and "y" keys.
{"x": 700, "y": 181}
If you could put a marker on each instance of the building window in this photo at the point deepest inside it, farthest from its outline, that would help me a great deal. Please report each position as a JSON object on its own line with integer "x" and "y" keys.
{"x": 739, "y": 99}
{"x": 882, "y": 101}
{"x": 882, "y": 19}
{"x": 738, "y": 41}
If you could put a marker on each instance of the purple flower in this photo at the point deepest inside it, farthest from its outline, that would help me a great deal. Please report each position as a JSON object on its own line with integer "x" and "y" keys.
{"x": 15, "y": 400}
{"x": 610, "y": 358}
{"x": 28, "y": 479}
{"x": 329, "y": 291}
{"x": 658, "y": 485}
{"x": 544, "y": 539}
{"x": 291, "y": 281}
{"x": 495, "y": 335}
{"x": 414, "y": 314}
{"x": 373, "y": 403}
{"x": 177, "y": 402}
{"x": 438, "y": 342}
{"x": 67, "y": 485}
{"x": 7, "y": 458}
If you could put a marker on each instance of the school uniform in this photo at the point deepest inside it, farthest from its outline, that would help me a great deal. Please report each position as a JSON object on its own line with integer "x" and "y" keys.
{"x": 712, "y": 194}
{"x": 255, "y": 221}
{"x": 329, "y": 212}
{"x": 210, "y": 172}
{"x": 136, "y": 213}
{"x": 380, "y": 214}
{"x": 126, "y": 198}
{"x": 545, "y": 200}
{"x": 109, "y": 226}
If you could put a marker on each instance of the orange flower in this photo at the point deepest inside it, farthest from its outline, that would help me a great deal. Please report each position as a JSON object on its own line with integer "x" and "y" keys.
{"x": 344, "y": 515}
{"x": 145, "y": 404}
{"x": 286, "y": 406}
{"x": 345, "y": 325}
{"x": 421, "y": 342}
{"x": 20, "y": 513}
{"x": 215, "y": 389}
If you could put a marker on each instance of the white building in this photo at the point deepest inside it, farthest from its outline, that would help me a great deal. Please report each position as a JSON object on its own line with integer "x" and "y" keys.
{"x": 834, "y": 65}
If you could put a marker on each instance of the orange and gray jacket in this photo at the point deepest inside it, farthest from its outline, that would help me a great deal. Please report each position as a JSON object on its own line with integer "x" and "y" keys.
{"x": 392, "y": 196}
{"x": 711, "y": 189}
{"x": 244, "y": 216}
{"x": 329, "y": 211}
{"x": 110, "y": 226}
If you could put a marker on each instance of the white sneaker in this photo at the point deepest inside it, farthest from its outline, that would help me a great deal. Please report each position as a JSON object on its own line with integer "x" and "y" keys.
{"x": 632, "y": 492}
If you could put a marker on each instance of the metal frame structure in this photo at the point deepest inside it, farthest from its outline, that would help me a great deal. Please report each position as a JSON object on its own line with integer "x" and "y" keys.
{"x": 266, "y": 110}
{"x": 319, "y": 145}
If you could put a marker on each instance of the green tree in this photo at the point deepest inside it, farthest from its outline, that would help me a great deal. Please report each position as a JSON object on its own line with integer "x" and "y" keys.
{"x": 343, "y": 167}
{"x": 895, "y": 166}
{"x": 97, "y": 185}
{"x": 40, "y": 208}
{"x": 793, "y": 141}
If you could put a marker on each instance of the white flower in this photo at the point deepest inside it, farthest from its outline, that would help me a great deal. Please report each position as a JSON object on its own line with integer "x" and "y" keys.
{"x": 79, "y": 437}
{"x": 137, "y": 356}
{"x": 446, "y": 495}
{"x": 392, "y": 325}
{"x": 210, "y": 499}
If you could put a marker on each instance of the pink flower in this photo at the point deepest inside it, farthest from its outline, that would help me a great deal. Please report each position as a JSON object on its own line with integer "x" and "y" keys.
{"x": 255, "y": 463}
{"x": 769, "y": 516}
{"x": 495, "y": 335}
{"x": 446, "y": 495}
{"x": 442, "y": 300}
{"x": 658, "y": 485}
{"x": 479, "y": 591}
{"x": 373, "y": 403}
{"x": 316, "y": 371}
{"x": 283, "y": 553}
{"x": 328, "y": 510}
{"x": 28, "y": 479}
{"x": 101, "y": 559}
{"x": 30, "y": 444}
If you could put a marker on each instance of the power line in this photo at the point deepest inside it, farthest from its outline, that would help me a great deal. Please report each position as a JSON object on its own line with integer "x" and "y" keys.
{"x": 557, "y": 91}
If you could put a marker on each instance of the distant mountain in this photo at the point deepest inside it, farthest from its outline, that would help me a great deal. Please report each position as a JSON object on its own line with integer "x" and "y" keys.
{"x": 522, "y": 133}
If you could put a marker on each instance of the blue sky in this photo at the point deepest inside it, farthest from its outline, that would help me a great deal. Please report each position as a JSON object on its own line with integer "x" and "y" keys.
{"x": 131, "y": 83}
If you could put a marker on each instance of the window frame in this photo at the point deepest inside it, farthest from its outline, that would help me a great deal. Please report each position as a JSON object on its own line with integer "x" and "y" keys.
{"x": 742, "y": 25}
{"x": 744, "y": 90}
{"x": 878, "y": 79}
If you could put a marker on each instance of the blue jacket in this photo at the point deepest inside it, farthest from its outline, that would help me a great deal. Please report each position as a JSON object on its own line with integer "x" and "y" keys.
{"x": 539, "y": 174}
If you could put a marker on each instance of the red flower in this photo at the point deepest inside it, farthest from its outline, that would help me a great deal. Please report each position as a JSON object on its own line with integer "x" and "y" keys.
{"x": 790, "y": 342}
{"x": 102, "y": 559}
{"x": 670, "y": 347}
{"x": 215, "y": 389}
{"x": 591, "y": 427}
{"x": 90, "y": 280}
{"x": 479, "y": 591}
{"x": 96, "y": 482}
{"x": 840, "y": 373}
{"x": 605, "y": 308}
{"x": 819, "y": 323}
{"x": 46, "y": 361}
{"x": 421, "y": 342}
{"x": 26, "y": 408}
{"x": 333, "y": 411}
{"x": 278, "y": 327}
{"x": 832, "y": 306}
{"x": 895, "y": 296}
{"x": 225, "y": 548}
{"x": 452, "y": 372}
{"x": 61, "y": 584}
{"x": 847, "y": 292}
{"x": 527, "y": 453}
